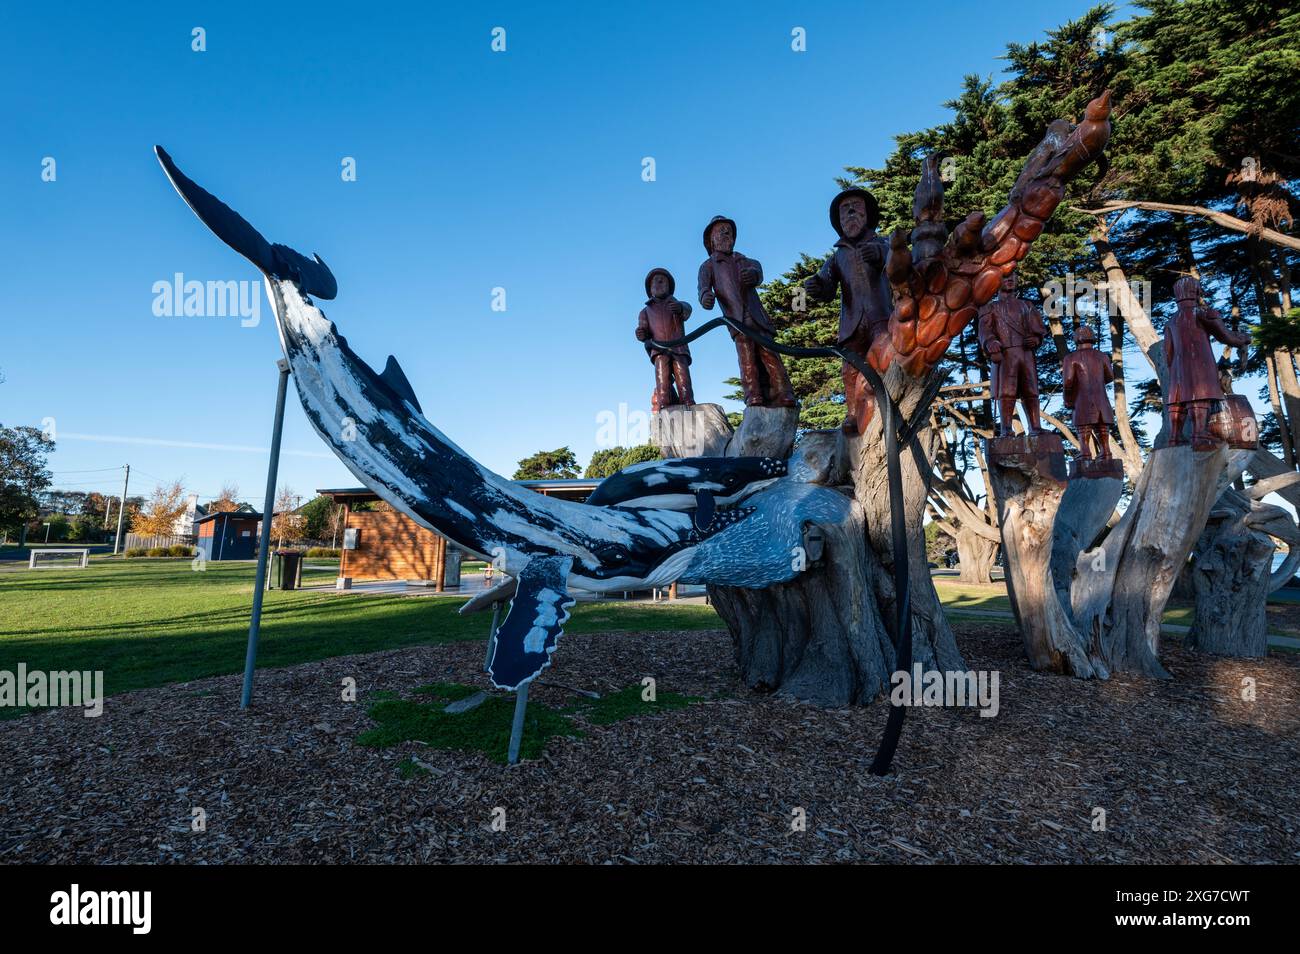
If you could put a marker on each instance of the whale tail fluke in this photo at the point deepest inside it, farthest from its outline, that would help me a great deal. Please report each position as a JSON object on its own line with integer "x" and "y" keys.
{"x": 278, "y": 261}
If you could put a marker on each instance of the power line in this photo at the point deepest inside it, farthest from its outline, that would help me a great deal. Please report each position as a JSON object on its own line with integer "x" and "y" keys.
{"x": 91, "y": 470}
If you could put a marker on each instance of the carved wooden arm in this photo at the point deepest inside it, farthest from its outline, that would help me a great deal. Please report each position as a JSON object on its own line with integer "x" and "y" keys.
{"x": 940, "y": 281}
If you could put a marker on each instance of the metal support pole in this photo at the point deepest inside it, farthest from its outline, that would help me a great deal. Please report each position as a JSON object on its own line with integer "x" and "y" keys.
{"x": 121, "y": 511}
{"x": 517, "y": 728}
{"x": 492, "y": 635}
{"x": 902, "y": 585}
{"x": 268, "y": 510}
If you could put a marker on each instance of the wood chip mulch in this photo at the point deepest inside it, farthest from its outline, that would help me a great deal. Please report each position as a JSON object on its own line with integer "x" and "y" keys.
{"x": 1186, "y": 771}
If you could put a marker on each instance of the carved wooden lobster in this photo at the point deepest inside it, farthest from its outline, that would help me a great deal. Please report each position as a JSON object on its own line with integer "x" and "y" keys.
{"x": 941, "y": 280}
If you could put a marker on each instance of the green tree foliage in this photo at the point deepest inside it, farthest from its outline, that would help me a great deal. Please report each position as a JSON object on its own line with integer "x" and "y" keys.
{"x": 86, "y": 528}
{"x": 611, "y": 460}
{"x": 1206, "y": 111}
{"x": 803, "y": 322}
{"x": 559, "y": 464}
{"x": 318, "y": 518}
{"x": 937, "y": 543}
{"x": 24, "y": 452}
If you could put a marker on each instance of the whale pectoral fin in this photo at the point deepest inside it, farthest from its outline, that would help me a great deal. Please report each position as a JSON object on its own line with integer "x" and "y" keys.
{"x": 533, "y": 626}
{"x": 395, "y": 378}
{"x": 704, "y": 507}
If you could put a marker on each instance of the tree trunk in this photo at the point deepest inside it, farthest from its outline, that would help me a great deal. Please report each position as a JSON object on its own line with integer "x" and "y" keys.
{"x": 1231, "y": 577}
{"x": 1121, "y": 587}
{"x": 1028, "y": 473}
{"x": 827, "y": 637}
{"x": 819, "y": 638}
{"x": 976, "y": 555}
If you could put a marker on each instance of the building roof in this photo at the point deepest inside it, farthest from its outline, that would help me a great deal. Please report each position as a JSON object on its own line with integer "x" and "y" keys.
{"x": 238, "y": 514}
{"x": 575, "y": 483}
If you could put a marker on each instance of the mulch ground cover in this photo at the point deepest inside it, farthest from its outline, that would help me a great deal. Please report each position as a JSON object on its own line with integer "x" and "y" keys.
{"x": 1185, "y": 770}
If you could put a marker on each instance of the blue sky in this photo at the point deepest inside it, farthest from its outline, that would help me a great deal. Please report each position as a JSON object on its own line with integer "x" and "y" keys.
{"x": 475, "y": 170}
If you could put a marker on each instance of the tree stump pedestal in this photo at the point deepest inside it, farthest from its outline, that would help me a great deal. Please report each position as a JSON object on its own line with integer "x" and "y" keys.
{"x": 1028, "y": 473}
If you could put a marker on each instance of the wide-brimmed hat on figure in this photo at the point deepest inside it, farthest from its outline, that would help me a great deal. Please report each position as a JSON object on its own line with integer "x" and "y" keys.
{"x": 672, "y": 284}
{"x": 873, "y": 209}
{"x": 708, "y": 229}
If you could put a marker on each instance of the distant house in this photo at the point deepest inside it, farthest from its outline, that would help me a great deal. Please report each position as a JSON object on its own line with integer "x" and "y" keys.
{"x": 389, "y": 545}
{"x": 184, "y": 524}
{"x": 227, "y": 534}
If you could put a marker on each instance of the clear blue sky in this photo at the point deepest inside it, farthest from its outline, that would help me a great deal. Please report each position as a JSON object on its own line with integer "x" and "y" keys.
{"x": 475, "y": 170}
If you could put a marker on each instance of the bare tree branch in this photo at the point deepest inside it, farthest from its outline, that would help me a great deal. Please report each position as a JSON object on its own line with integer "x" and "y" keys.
{"x": 1272, "y": 236}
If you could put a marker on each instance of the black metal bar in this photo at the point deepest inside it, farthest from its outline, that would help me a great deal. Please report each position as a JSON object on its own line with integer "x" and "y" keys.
{"x": 893, "y": 436}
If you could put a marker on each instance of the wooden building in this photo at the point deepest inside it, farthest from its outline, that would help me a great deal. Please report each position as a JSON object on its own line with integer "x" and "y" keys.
{"x": 383, "y": 544}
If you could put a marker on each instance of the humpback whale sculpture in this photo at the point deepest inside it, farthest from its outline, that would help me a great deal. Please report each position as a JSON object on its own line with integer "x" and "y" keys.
{"x": 699, "y": 483}
{"x": 375, "y": 425}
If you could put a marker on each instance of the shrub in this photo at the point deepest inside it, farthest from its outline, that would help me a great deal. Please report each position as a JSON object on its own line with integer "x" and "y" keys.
{"x": 181, "y": 549}
{"x": 157, "y": 551}
{"x": 323, "y": 552}
{"x": 136, "y": 552}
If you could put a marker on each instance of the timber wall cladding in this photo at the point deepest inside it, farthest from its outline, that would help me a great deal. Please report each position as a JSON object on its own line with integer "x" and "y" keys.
{"x": 390, "y": 546}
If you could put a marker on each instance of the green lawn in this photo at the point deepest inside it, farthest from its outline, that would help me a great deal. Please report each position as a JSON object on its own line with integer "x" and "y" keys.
{"x": 959, "y": 596}
{"x": 152, "y": 622}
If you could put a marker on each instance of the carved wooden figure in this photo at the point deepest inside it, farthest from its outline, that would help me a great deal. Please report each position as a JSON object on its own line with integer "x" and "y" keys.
{"x": 1010, "y": 331}
{"x": 731, "y": 280}
{"x": 663, "y": 319}
{"x": 856, "y": 270}
{"x": 1085, "y": 373}
{"x": 1193, "y": 373}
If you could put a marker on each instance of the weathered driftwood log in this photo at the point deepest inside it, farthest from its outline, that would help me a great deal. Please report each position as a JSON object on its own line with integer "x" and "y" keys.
{"x": 819, "y": 638}
{"x": 1121, "y": 587}
{"x": 765, "y": 432}
{"x": 700, "y": 430}
{"x": 1029, "y": 480}
{"x": 1086, "y": 509}
{"x": 1231, "y": 572}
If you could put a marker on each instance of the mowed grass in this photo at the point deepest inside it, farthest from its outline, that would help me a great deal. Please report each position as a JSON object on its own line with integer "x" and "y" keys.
{"x": 956, "y": 597}
{"x": 149, "y": 623}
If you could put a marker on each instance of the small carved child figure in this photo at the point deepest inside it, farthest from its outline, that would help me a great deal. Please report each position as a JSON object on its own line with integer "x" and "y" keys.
{"x": 1010, "y": 331}
{"x": 1193, "y": 372}
{"x": 731, "y": 280}
{"x": 1085, "y": 373}
{"x": 663, "y": 319}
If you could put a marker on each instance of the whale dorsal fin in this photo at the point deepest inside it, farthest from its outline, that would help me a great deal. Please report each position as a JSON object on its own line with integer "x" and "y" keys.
{"x": 395, "y": 378}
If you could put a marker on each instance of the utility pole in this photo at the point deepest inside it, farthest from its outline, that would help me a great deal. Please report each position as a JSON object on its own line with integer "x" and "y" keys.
{"x": 121, "y": 511}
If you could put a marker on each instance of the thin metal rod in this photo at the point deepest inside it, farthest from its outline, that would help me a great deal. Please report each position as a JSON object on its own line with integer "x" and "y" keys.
{"x": 517, "y": 727}
{"x": 902, "y": 590}
{"x": 268, "y": 513}
{"x": 492, "y": 635}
